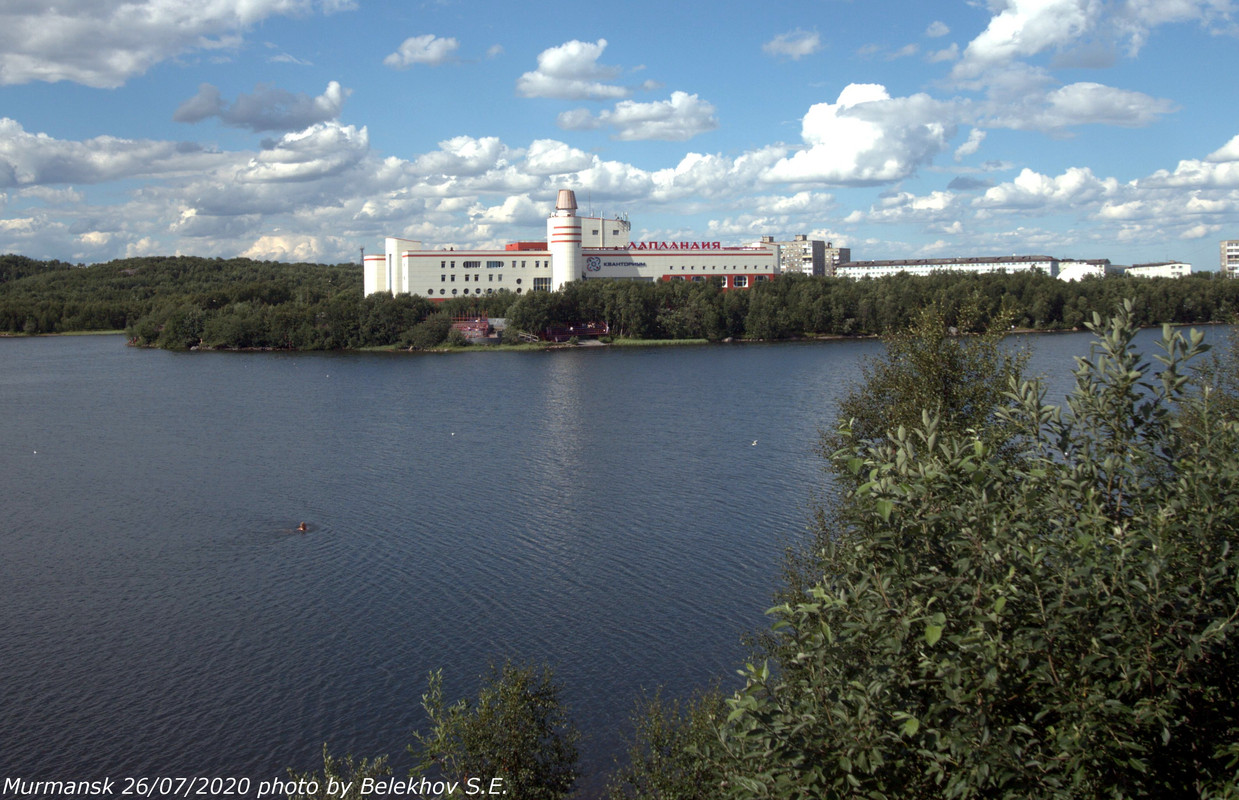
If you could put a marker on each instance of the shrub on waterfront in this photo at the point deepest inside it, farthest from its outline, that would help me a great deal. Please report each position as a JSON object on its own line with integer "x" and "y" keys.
{"x": 517, "y": 731}
{"x": 350, "y": 774}
{"x": 1053, "y": 623}
{"x": 664, "y": 752}
{"x": 930, "y": 366}
{"x": 430, "y": 332}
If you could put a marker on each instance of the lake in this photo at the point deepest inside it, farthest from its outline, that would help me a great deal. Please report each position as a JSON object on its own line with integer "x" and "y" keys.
{"x": 618, "y": 513}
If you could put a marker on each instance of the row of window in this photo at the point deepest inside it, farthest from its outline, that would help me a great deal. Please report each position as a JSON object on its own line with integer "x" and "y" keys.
{"x": 490, "y": 264}
{"x": 738, "y": 281}
{"x": 493, "y": 277}
{"x": 431, "y": 292}
{"x": 539, "y": 285}
{"x": 538, "y": 264}
{"x": 715, "y": 268}
{"x": 544, "y": 284}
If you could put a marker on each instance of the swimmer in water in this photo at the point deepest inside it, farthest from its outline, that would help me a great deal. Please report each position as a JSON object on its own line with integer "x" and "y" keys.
{"x": 303, "y": 527}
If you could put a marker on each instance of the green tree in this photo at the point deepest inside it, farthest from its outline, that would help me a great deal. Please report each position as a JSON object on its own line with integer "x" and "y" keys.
{"x": 517, "y": 731}
{"x": 664, "y": 753}
{"x": 1056, "y": 625}
{"x": 430, "y": 332}
{"x": 962, "y": 379}
{"x": 349, "y": 773}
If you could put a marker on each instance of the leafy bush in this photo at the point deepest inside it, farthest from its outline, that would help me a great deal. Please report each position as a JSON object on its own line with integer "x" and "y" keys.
{"x": 349, "y": 774}
{"x": 517, "y": 731}
{"x": 1057, "y": 624}
{"x": 430, "y": 332}
{"x": 664, "y": 753}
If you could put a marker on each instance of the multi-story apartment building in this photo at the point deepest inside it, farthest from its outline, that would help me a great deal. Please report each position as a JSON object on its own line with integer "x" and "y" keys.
{"x": 1230, "y": 258}
{"x": 808, "y": 256}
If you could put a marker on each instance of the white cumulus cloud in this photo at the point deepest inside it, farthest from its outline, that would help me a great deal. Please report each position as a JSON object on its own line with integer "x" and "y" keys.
{"x": 104, "y": 44}
{"x": 38, "y": 159}
{"x": 424, "y": 49}
{"x": 318, "y": 152}
{"x": 867, "y": 137}
{"x": 571, "y": 72}
{"x": 794, "y": 45}
{"x": 1026, "y": 27}
{"x": 463, "y": 156}
{"x": 1031, "y": 190}
{"x": 1083, "y": 103}
{"x": 975, "y": 137}
{"x": 549, "y": 157}
{"x": 677, "y": 119}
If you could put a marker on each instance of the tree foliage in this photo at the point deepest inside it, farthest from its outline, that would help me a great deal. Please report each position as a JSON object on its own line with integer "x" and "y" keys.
{"x": 336, "y": 773}
{"x": 664, "y": 753}
{"x": 517, "y": 730}
{"x": 1056, "y": 625}
{"x": 935, "y": 366}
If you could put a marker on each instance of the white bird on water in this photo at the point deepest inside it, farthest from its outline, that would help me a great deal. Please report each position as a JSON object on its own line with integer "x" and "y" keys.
{"x": 754, "y": 443}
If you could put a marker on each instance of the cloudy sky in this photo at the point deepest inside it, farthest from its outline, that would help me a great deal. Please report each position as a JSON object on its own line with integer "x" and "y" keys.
{"x": 308, "y": 129}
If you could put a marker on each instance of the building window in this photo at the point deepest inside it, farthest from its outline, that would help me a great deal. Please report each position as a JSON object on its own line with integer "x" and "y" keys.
{"x": 522, "y": 264}
{"x": 453, "y": 291}
{"x": 453, "y": 265}
{"x": 443, "y": 279}
{"x": 494, "y": 264}
{"x": 430, "y": 291}
{"x": 453, "y": 277}
{"x": 501, "y": 277}
{"x": 518, "y": 281}
{"x": 541, "y": 284}
{"x": 472, "y": 264}
{"x": 740, "y": 281}
{"x": 443, "y": 291}
{"x": 442, "y": 265}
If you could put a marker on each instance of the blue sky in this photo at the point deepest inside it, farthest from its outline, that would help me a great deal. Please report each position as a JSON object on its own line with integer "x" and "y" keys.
{"x": 307, "y": 129}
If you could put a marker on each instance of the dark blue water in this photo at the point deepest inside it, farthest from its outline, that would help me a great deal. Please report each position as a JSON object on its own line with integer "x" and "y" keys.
{"x": 619, "y": 514}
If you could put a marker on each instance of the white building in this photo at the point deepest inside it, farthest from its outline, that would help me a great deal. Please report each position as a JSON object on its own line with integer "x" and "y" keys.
{"x": 576, "y": 248}
{"x": 1070, "y": 269}
{"x": 1161, "y": 269}
{"x": 1230, "y": 258}
{"x": 930, "y": 266}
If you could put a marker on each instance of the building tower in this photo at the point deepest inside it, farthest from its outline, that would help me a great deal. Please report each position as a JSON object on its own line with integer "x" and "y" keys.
{"x": 563, "y": 235}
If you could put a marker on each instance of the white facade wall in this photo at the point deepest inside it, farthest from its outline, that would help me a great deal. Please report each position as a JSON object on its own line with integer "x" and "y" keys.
{"x": 1169, "y": 269}
{"x": 384, "y": 273}
{"x": 444, "y": 274}
{"x": 735, "y": 267}
{"x": 882, "y": 269}
{"x": 374, "y": 274}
